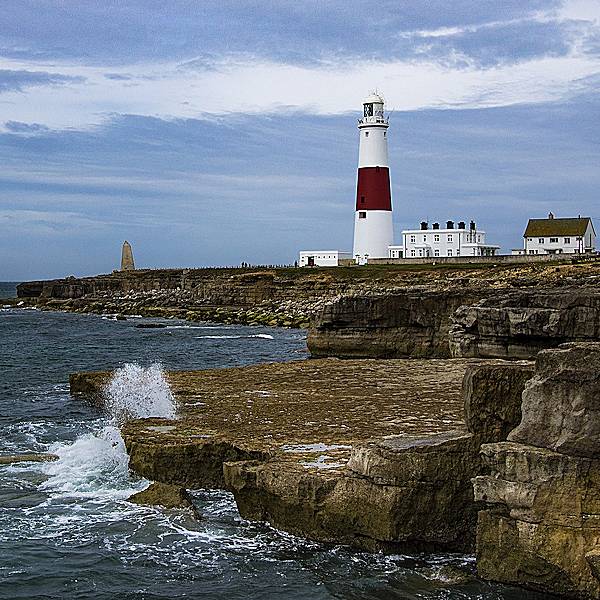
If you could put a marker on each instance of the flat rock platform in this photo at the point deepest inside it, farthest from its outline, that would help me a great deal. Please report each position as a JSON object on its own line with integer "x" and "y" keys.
{"x": 371, "y": 453}
{"x": 312, "y": 412}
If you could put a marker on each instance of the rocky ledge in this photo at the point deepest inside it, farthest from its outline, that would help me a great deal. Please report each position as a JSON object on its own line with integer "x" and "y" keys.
{"x": 542, "y": 526}
{"x": 374, "y": 454}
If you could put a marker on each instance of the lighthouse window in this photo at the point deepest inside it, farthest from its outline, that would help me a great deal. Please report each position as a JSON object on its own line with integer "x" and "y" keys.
{"x": 362, "y": 215}
{"x": 366, "y": 134}
{"x": 385, "y": 134}
{"x": 362, "y": 199}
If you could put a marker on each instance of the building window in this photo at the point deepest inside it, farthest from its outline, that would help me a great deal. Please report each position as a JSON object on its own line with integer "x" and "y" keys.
{"x": 436, "y": 252}
{"x": 436, "y": 237}
{"x": 540, "y": 240}
{"x": 424, "y": 238}
{"x": 554, "y": 240}
{"x": 450, "y": 252}
{"x": 479, "y": 239}
{"x": 362, "y": 215}
{"x": 413, "y": 239}
{"x": 449, "y": 239}
{"x": 412, "y": 253}
{"x": 567, "y": 240}
{"x": 420, "y": 252}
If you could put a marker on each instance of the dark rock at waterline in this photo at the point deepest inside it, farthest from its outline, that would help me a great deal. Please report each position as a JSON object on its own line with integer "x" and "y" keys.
{"x": 18, "y": 458}
{"x": 150, "y": 326}
{"x": 165, "y": 495}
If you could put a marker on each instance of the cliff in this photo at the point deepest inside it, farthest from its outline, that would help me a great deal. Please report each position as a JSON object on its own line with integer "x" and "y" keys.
{"x": 542, "y": 527}
{"x": 291, "y": 297}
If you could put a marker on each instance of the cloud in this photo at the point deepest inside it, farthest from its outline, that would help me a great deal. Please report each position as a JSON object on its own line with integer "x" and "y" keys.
{"x": 172, "y": 90}
{"x": 19, "y": 80}
{"x": 20, "y": 127}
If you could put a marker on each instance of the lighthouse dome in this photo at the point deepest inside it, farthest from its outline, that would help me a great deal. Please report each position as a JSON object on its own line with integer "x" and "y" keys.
{"x": 373, "y": 98}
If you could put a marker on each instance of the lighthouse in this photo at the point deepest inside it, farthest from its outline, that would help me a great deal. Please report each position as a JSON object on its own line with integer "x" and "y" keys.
{"x": 373, "y": 231}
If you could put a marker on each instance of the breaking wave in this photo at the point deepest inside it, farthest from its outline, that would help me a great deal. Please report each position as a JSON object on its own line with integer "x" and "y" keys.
{"x": 137, "y": 392}
{"x": 96, "y": 463}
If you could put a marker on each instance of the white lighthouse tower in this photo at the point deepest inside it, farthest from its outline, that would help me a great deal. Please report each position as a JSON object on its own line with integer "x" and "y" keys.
{"x": 373, "y": 230}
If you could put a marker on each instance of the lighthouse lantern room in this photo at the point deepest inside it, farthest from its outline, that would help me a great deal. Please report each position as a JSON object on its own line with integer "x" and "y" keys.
{"x": 373, "y": 231}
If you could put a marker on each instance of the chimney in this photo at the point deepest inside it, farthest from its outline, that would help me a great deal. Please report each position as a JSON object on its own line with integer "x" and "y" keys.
{"x": 472, "y": 226}
{"x": 551, "y": 215}
{"x": 435, "y": 226}
{"x": 424, "y": 225}
{"x": 462, "y": 225}
{"x": 449, "y": 224}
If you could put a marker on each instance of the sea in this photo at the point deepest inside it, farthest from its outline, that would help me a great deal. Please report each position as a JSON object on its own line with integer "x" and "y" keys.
{"x": 67, "y": 530}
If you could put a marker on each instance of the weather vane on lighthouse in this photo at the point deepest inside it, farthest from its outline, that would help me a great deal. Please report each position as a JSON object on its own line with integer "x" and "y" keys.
{"x": 373, "y": 230}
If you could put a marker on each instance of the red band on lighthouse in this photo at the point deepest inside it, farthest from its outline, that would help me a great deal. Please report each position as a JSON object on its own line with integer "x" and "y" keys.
{"x": 373, "y": 189}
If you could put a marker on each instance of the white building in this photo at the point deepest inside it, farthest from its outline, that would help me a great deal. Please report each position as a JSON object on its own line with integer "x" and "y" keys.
{"x": 449, "y": 242}
{"x": 558, "y": 236}
{"x": 373, "y": 230}
{"x": 323, "y": 258}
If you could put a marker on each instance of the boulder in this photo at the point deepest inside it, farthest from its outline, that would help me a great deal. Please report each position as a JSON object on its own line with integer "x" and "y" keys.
{"x": 164, "y": 495}
{"x": 561, "y": 404}
{"x": 492, "y": 396}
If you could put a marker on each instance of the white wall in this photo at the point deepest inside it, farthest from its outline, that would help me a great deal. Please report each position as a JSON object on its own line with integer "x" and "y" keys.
{"x": 562, "y": 244}
{"x": 372, "y": 234}
{"x": 323, "y": 258}
{"x": 373, "y": 150}
{"x": 443, "y": 242}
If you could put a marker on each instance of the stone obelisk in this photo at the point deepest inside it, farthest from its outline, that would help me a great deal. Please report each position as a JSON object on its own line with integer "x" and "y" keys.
{"x": 127, "y": 263}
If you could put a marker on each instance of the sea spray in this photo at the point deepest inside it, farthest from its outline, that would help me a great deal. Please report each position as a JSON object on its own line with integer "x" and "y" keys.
{"x": 96, "y": 463}
{"x": 137, "y": 392}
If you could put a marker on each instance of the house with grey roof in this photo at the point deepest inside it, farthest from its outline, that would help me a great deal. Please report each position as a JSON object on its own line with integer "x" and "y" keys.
{"x": 558, "y": 236}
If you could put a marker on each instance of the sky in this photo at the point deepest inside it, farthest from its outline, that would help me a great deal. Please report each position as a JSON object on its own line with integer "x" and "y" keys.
{"x": 214, "y": 132}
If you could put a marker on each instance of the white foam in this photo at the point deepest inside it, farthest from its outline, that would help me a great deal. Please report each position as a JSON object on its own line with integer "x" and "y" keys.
{"x": 139, "y": 392}
{"x": 95, "y": 464}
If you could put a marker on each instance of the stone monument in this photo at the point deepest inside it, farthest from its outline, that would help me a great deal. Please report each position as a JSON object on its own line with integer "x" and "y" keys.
{"x": 127, "y": 263}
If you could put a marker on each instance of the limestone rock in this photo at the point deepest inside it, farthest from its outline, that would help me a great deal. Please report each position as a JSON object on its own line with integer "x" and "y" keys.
{"x": 546, "y": 523}
{"x": 165, "y": 495}
{"x": 561, "y": 404}
{"x": 492, "y": 395}
{"x": 419, "y": 486}
{"x": 32, "y": 457}
{"x": 519, "y": 324}
{"x": 406, "y": 323}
